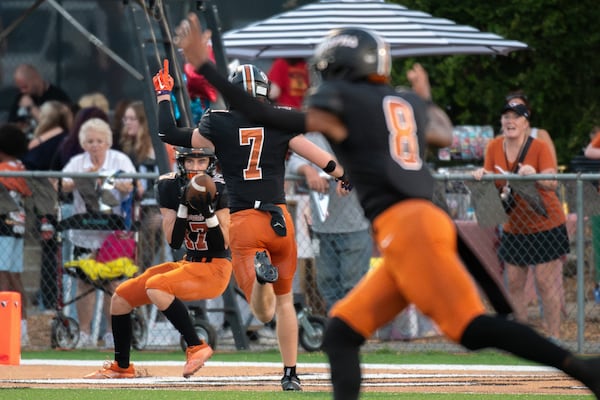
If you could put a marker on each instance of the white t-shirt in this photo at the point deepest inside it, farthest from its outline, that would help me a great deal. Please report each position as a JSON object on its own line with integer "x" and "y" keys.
{"x": 115, "y": 161}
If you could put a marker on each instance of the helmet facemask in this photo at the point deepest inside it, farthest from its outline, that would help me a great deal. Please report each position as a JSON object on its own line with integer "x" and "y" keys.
{"x": 183, "y": 154}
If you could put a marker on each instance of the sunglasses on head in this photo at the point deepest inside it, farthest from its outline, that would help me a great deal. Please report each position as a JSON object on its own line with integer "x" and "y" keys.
{"x": 515, "y": 96}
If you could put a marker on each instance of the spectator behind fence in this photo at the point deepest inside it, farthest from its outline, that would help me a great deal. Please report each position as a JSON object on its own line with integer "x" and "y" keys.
{"x": 13, "y": 190}
{"x": 339, "y": 226}
{"x": 94, "y": 99}
{"x": 135, "y": 141}
{"x": 520, "y": 97}
{"x": 55, "y": 121}
{"x": 95, "y": 138}
{"x": 289, "y": 81}
{"x": 71, "y": 144}
{"x": 592, "y": 150}
{"x": 203, "y": 273}
{"x": 28, "y": 115}
{"x": 30, "y": 82}
{"x": 535, "y": 233}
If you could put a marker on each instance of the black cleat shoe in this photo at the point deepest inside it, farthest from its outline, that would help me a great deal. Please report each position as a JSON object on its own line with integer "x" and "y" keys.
{"x": 291, "y": 383}
{"x": 265, "y": 271}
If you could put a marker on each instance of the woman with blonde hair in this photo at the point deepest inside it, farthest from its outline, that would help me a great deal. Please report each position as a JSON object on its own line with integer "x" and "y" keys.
{"x": 55, "y": 120}
{"x": 94, "y": 99}
{"x": 95, "y": 137}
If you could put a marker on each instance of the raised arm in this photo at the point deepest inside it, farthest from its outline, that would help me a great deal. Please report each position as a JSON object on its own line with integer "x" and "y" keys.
{"x": 194, "y": 44}
{"x": 439, "y": 128}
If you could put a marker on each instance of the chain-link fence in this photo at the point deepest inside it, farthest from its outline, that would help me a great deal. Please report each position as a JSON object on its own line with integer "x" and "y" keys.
{"x": 563, "y": 291}
{"x": 47, "y": 242}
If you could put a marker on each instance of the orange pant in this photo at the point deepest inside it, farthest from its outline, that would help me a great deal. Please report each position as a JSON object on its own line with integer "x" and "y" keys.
{"x": 188, "y": 281}
{"x": 250, "y": 231}
{"x": 421, "y": 266}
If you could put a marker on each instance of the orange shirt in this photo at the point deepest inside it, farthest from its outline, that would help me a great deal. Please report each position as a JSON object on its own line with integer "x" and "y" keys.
{"x": 14, "y": 183}
{"x": 596, "y": 140}
{"x": 523, "y": 219}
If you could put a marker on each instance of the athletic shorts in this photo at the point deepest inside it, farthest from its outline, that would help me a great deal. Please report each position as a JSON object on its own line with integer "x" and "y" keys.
{"x": 186, "y": 280}
{"x": 420, "y": 265}
{"x": 250, "y": 231}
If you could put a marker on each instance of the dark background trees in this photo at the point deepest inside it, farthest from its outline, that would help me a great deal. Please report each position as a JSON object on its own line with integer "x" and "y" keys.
{"x": 560, "y": 72}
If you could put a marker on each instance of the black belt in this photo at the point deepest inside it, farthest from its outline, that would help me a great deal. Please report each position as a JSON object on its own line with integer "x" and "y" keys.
{"x": 192, "y": 258}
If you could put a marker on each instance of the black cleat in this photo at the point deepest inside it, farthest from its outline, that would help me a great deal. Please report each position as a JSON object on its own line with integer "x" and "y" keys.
{"x": 265, "y": 271}
{"x": 291, "y": 383}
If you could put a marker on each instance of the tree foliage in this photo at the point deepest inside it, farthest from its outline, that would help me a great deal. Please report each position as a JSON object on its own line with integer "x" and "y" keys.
{"x": 560, "y": 72}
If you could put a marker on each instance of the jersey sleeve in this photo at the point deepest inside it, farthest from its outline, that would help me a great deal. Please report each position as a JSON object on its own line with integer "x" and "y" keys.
{"x": 327, "y": 97}
{"x": 204, "y": 126}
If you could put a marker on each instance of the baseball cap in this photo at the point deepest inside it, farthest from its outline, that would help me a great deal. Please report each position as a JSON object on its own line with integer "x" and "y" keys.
{"x": 520, "y": 109}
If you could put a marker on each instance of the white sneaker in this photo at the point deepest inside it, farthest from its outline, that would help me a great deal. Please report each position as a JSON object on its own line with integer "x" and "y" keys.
{"x": 225, "y": 335}
{"x": 85, "y": 341}
{"x": 109, "y": 340}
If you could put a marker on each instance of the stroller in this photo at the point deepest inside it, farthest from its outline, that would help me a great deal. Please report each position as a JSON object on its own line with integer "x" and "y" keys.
{"x": 114, "y": 261}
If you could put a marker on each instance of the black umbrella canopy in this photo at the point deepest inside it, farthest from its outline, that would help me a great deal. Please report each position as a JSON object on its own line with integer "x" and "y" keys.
{"x": 409, "y": 32}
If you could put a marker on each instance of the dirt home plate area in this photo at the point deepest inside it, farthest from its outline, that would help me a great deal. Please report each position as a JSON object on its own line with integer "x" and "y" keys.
{"x": 315, "y": 377}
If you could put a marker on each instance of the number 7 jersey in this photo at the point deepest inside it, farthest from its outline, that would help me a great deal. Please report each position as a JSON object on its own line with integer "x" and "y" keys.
{"x": 252, "y": 158}
{"x": 384, "y": 150}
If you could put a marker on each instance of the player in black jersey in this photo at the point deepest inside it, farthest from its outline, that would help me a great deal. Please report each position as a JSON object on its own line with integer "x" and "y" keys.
{"x": 380, "y": 135}
{"x": 203, "y": 273}
{"x": 263, "y": 242}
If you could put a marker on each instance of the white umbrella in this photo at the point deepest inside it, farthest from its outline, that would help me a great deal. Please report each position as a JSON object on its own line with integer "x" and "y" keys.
{"x": 409, "y": 33}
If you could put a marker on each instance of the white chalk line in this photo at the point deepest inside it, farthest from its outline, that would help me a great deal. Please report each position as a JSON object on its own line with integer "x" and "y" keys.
{"x": 387, "y": 379}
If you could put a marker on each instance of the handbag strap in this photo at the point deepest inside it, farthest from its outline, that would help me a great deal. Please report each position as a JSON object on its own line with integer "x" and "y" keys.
{"x": 522, "y": 154}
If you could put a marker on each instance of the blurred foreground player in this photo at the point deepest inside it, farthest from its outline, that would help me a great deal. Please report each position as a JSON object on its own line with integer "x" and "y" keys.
{"x": 380, "y": 135}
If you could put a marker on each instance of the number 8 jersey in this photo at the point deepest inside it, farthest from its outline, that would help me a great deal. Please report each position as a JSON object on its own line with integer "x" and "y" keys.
{"x": 380, "y": 120}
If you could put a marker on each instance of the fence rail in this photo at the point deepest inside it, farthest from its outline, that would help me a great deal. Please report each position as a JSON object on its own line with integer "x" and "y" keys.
{"x": 472, "y": 204}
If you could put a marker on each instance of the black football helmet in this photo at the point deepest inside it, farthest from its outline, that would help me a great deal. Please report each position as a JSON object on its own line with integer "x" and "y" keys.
{"x": 181, "y": 153}
{"x": 251, "y": 79}
{"x": 353, "y": 54}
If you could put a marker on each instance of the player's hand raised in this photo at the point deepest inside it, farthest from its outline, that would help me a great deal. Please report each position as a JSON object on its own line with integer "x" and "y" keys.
{"x": 163, "y": 82}
{"x": 192, "y": 41}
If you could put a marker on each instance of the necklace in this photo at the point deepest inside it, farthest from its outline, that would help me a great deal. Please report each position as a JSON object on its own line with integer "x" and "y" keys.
{"x": 515, "y": 166}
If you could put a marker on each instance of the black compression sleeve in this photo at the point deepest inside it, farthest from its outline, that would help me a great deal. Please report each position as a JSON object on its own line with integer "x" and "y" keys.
{"x": 178, "y": 233}
{"x": 256, "y": 111}
{"x": 215, "y": 239}
{"x": 168, "y": 130}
